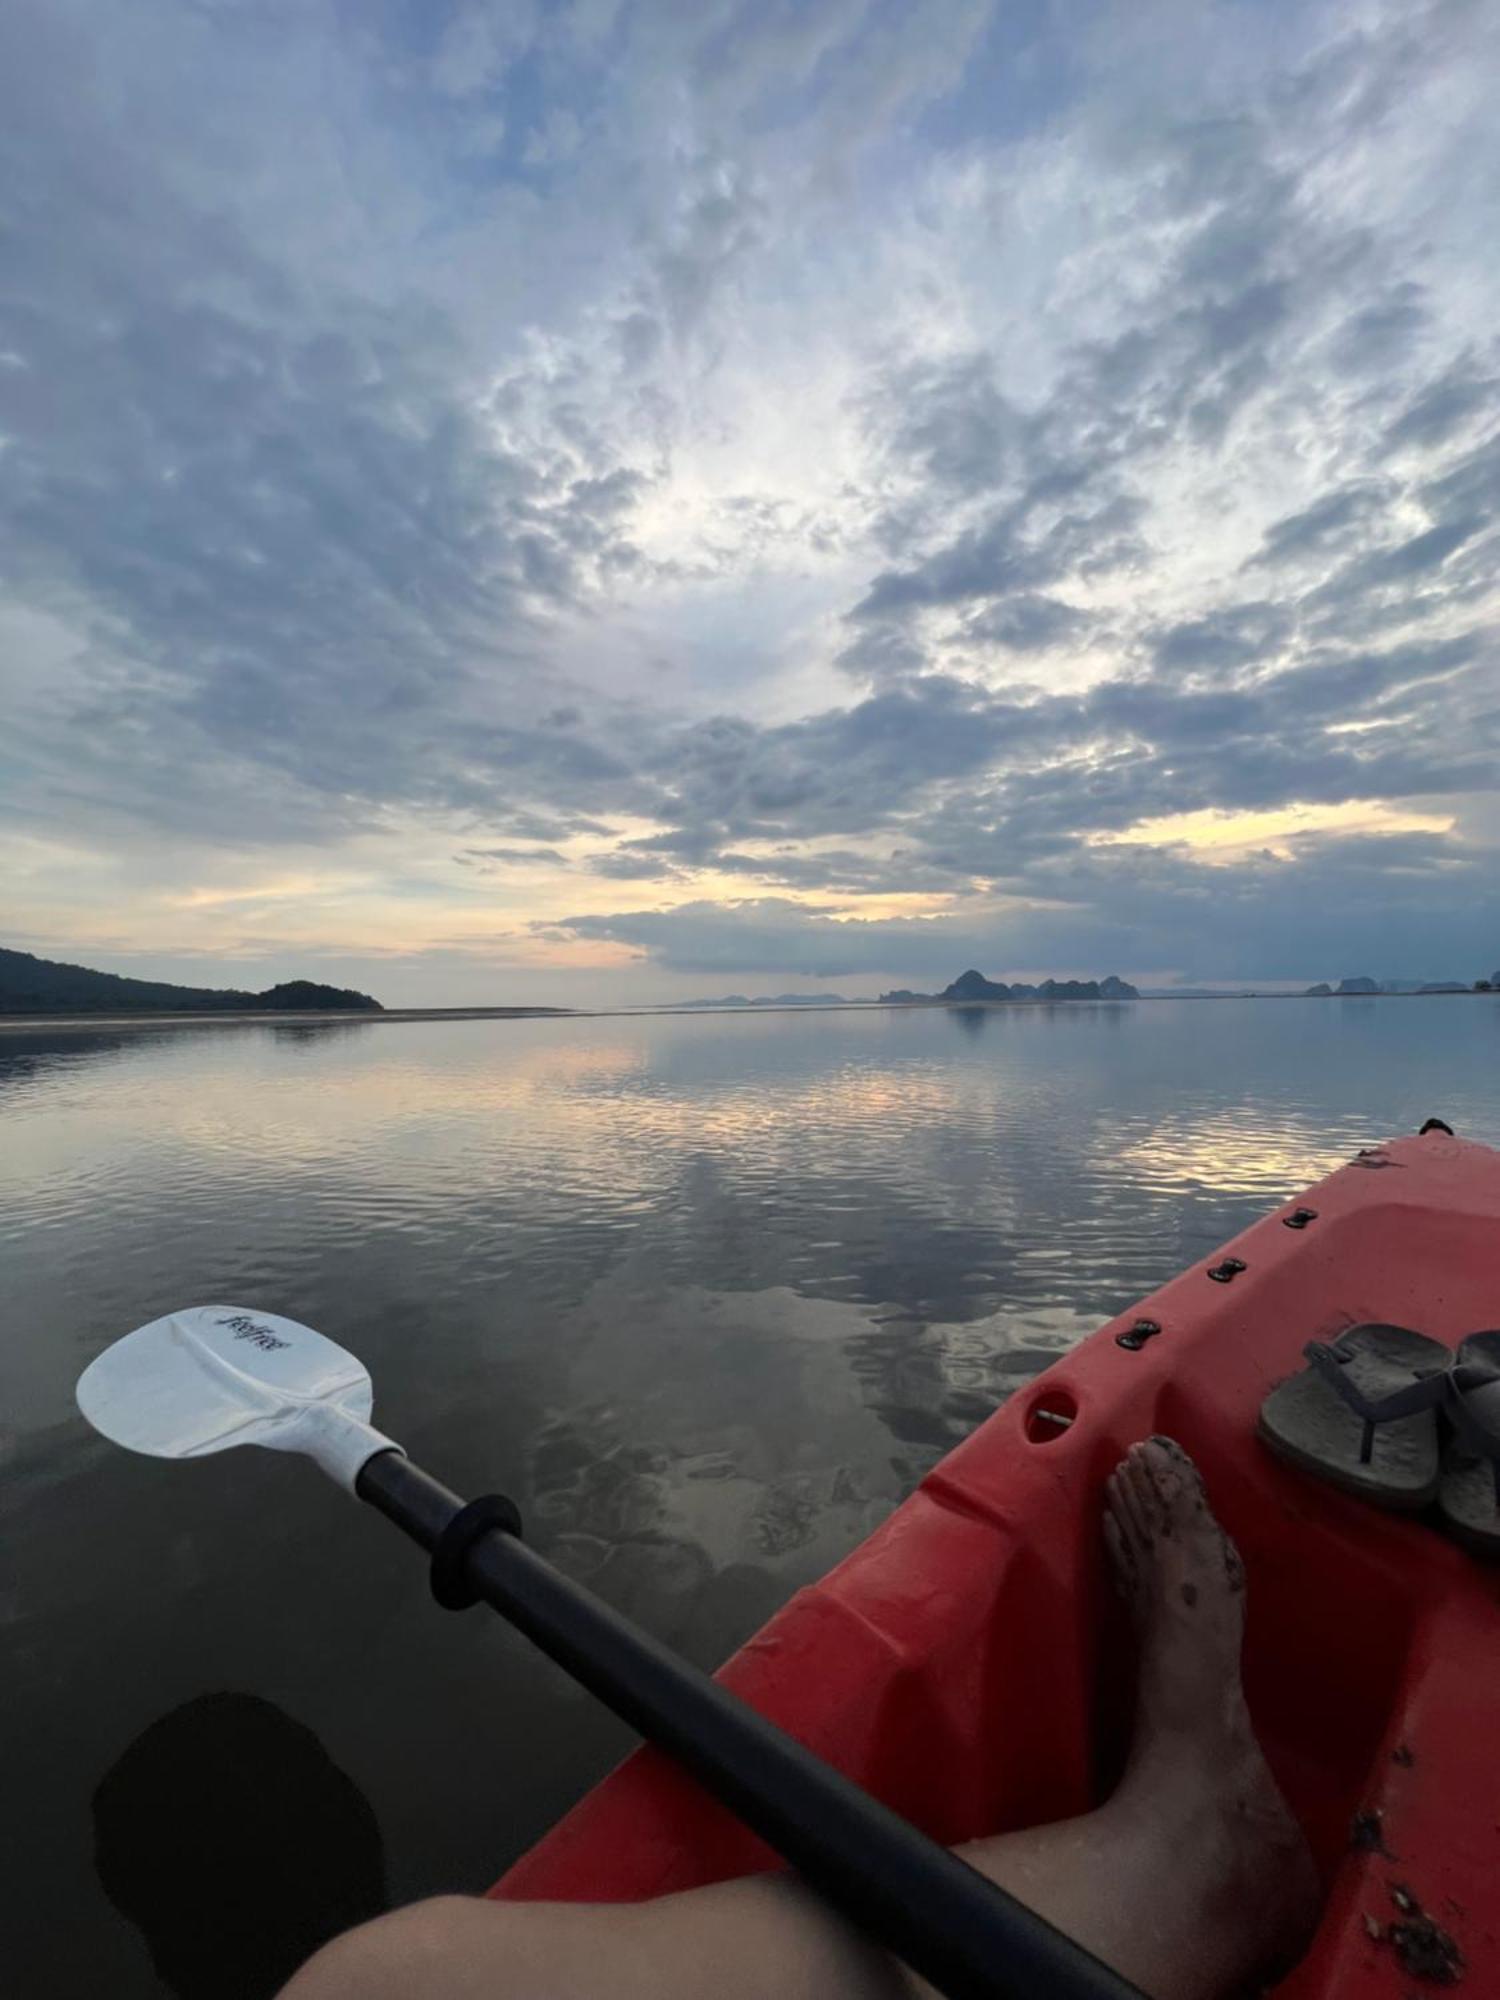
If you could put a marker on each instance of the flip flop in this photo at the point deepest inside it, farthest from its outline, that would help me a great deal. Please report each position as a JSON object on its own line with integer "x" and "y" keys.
{"x": 1469, "y": 1495}
{"x": 1362, "y": 1414}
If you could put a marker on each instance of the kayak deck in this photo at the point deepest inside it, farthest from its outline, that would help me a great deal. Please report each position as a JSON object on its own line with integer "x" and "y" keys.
{"x": 968, "y": 1663}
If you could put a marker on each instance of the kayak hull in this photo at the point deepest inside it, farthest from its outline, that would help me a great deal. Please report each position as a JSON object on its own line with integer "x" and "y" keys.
{"x": 968, "y": 1662}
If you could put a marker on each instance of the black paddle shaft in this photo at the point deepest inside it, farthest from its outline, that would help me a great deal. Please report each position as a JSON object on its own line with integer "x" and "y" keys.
{"x": 943, "y": 1918}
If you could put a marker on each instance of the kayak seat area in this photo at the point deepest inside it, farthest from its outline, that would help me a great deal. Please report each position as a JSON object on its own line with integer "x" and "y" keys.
{"x": 970, "y": 1664}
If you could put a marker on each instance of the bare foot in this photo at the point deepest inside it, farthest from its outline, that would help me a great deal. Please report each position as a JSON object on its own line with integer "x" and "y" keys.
{"x": 1194, "y": 1743}
{"x": 1185, "y": 1584}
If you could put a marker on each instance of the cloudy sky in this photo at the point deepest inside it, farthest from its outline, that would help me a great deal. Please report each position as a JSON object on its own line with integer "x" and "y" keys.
{"x": 626, "y": 498}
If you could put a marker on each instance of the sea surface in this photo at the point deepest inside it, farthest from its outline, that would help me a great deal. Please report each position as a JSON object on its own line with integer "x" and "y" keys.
{"x": 706, "y": 1295}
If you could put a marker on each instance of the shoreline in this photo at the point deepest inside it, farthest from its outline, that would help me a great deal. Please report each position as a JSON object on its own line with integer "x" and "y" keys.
{"x": 268, "y": 1017}
{"x": 331, "y": 1017}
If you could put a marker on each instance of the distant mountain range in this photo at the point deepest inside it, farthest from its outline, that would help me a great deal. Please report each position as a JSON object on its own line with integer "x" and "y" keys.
{"x": 44, "y": 986}
{"x": 1362, "y": 983}
{"x": 974, "y": 986}
{"x": 763, "y": 1000}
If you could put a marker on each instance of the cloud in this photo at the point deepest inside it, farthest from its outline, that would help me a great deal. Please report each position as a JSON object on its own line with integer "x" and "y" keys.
{"x": 1330, "y": 523}
{"x": 1334, "y": 904}
{"x": 1402, "y": 563}
{"x": 1028, "y": 622}
{"x": 484, "y": 858}
{"x": 1461, "y": 394}
{"x": 1235, "y": 636}
{"x": 830, "y": 452}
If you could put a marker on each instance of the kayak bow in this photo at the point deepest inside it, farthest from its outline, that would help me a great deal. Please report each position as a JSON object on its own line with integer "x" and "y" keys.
{"x": 969, "y": 1666}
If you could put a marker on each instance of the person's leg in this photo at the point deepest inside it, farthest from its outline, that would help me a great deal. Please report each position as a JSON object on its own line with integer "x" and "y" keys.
{"x": 1194, "y": 1875}
{"x": 1191, "y": 1879}
{"x": 763, "y": 1938}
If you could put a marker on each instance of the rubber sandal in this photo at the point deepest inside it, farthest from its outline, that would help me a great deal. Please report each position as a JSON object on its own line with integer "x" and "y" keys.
{"x": 1363, "y": 1415}
{"x": 1469, "y": 1495}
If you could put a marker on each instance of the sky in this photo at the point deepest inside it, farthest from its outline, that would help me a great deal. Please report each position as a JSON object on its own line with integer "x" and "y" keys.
{"x": 597, "y": 503}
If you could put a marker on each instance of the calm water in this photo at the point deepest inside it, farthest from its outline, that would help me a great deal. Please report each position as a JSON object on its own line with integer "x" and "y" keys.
{"x": 706, "y": 1295}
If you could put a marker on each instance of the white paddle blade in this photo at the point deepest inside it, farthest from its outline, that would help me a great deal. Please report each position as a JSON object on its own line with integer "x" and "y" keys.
{"x": 209, "y": 1377}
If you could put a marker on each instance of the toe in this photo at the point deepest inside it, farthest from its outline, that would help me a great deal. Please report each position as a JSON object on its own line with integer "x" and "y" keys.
{"x": 1172, "y": 1449}
{"x": 1161, "y": 1475}
{"x": 1115, "y": 1514}
{"x": 1142, "y": 1499}
{"x": 1125, "y": 1567}
{"x": 1175, "y": 1479}
{"x": 1123, "y": 1508}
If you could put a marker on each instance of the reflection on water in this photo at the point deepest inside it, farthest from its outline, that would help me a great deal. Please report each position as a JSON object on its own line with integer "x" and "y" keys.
{"x": 1227, "y": 1153}
{"x": 707, "y": 1295}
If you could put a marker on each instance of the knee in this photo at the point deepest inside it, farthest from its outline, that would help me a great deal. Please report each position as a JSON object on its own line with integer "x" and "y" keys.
{"x": 419, "y": 1952}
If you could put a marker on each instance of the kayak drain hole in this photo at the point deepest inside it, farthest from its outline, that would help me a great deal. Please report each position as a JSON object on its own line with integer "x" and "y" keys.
{"x": 1050, "y": 1415}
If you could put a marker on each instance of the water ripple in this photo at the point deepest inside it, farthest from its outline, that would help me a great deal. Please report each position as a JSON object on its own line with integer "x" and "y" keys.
{"x": 707, "y": 1295}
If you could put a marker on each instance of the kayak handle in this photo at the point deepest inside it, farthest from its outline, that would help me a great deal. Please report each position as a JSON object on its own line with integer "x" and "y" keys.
{"x": 940, "y": 1916}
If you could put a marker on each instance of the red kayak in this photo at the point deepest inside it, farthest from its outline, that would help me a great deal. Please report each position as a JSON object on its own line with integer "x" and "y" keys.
{"x": 969, "y": 1665}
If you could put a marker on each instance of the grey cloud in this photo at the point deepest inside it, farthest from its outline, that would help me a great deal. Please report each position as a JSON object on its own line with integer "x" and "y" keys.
{"x": 1444, "y": 407}
{"x": 767, "y": 931}
{"x": 949, "y": 421}
{"x": 846, "y": 769}
{"x": 1253, "y": 294}
{"x": 1338, "y": 902}
{"x": 985, "y": 562}
{"x": 1235, "y": 636}
{"x": 1407, "y": 562}
{"x": 1327, "y": 524}
{"x": 1208, "y": 162}
{"x": 980, "y": 785}
{"x": 629, "y": 863}
{"x": 303, "y": 553}
{"x": 1009, "y": 554}
{"x": 640, "y": 339}
{"x": 719, "y": 226}
{"x": 1421, "y": 552}
{"x": 905, "y": 871}
{"x": 515, "y": 857}
{"x": 1379, "y": 334}
{"x": 543, "y": 826}
{"x": 1028, "y": 622}
{"x": 1470, "y": 487}
{"x": 1341, "y": 687}
{"x": 883, "y": 653}
{"x": 1066, "y": 502}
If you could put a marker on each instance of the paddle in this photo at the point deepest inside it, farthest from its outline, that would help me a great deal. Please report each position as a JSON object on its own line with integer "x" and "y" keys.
{"x": 210, "y": 1377}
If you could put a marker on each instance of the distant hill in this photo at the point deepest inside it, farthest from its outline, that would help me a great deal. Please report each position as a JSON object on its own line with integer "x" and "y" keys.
{"x": 1363, "y": 984}
{"x": 44, "y": 986}
{"x": 973, "y": 986}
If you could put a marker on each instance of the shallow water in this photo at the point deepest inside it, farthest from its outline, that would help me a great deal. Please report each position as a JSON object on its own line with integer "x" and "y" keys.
{"x": 706, "y": 1295}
